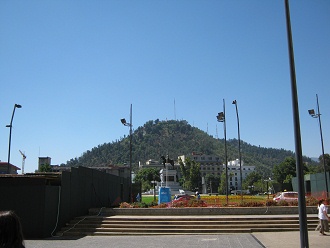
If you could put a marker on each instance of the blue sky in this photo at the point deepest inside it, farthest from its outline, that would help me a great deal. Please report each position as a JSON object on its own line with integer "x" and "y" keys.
{"x": 76, "y": 66}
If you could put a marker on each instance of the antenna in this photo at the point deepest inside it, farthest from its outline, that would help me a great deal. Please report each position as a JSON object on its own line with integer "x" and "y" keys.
{"x": 216, "y": 132}
{"x": 174, "y": 110}
{"x": 23, "y": 160}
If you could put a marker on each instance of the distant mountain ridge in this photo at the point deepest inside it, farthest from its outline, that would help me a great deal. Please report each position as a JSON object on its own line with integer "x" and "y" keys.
{"x": 175, "y": 138}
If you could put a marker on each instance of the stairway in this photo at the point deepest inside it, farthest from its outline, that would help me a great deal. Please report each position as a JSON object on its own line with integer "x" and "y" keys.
{"x": 180, "y": 225}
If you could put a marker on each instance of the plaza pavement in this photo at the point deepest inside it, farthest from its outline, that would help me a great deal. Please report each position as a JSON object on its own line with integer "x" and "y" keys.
{"x": 241, "y": 240}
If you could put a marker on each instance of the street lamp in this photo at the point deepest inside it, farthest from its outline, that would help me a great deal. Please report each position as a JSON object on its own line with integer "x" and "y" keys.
{"x": 239, "y": 150}
{"x": 267, "y": 181}
{"x": 123, "y": 121}
{"x": 297, "y": 135}
{"x": 10, "y": 128}
{"x": 318, "y": 115}
{"x": 221, "y": 118}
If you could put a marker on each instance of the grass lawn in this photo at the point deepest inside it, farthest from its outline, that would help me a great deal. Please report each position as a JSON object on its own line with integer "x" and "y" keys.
{"x": 148, "y": 198}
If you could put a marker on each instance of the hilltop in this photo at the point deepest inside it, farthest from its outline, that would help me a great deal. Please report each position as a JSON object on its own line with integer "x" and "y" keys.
{"x": 175, "y": 138}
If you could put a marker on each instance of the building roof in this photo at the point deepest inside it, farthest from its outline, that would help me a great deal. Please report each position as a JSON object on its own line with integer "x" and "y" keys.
{"x": 5, "y": 164}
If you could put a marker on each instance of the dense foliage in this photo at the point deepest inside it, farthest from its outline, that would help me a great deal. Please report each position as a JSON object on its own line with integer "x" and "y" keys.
{"x": 191, "y": 179}
{"x": 146, "y": 176}
{"x": 175, "y": 138}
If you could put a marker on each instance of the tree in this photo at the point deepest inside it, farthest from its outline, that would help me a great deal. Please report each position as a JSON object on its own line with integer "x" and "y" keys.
{"x": 222, "y": 184}
{"x": 327, "y": 161}
{"x": 145, "y": 176}
{"x": 191, "y": 178}
{"x": 45, "y": 168}
{"x": 251, "y": 179}
{"x": 260, "y": 186}
{"x": 212, "y": 181}
{"x": 284, "y": 172}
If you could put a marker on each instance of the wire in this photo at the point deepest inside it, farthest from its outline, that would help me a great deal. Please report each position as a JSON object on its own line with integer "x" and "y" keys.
{"x": 58, "y": 214}
{"x": 58, "y": 210}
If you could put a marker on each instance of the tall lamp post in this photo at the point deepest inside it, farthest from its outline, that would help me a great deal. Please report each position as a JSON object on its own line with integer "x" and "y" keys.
{"x": 297, "y": 135}
{"x": 239, "y": 150}
{"x": 10, "y": 128}
{"x": 267, "y": 181}
{"x": 221, "y": 117}
{"x": 123, "y": 121}
{"x": 318, "y": 115}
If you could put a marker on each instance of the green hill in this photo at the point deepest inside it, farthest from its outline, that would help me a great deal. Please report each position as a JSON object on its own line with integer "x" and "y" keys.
{"x": 175, "y": 138}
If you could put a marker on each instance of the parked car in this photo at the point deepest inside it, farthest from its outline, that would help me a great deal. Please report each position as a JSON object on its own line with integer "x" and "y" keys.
{"x": 288, "y": 196}
{"x": 178, "y": 198}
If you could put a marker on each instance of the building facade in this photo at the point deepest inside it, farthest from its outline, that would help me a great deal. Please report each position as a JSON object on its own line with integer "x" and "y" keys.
{"x": 234, "y": 173}
{"x": 4, "y": 168}
{"x": 209, "y": 164}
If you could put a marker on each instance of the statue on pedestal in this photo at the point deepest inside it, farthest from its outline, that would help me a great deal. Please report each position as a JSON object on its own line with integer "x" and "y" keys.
{"x": 167, "y": 160}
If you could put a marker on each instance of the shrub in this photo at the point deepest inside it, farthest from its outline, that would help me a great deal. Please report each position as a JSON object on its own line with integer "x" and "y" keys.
{"x": 270, "y": 203}
{"x": 282, "y": 203}
{"x": 162, "y": 205}
{"x": 251, "y": 204}
{"x": 230, "y": 204}
{"x": 312, "y": 201}
{"x": 125, "y": 205}
{"x": 152, "y": 204}
{"x": 196, "y": 203}
{"x": 293, "y": 203}
{"x": 179, "y": 204}
{"x": 192, "y": 203}
{"x": 139, "y": 205}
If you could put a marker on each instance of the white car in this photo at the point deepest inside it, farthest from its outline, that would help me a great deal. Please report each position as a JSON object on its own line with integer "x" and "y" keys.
{"x": 288, "y": 196}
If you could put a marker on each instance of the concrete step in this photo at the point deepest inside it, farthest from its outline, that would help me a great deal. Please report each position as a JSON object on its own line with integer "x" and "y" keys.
{"x": 173, "y": 225}
{"x": 177, "y": 221}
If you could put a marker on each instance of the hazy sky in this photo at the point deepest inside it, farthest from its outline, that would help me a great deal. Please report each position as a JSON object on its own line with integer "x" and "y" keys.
{"x": 76, "y": 66}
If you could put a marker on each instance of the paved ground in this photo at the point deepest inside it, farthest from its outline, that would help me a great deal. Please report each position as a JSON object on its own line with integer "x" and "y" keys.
{"x": 254, "y": 240}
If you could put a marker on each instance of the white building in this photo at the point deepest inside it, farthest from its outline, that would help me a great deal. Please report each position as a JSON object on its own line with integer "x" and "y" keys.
{"x": 234, "y": 175}
{"x": 210, "y": 164}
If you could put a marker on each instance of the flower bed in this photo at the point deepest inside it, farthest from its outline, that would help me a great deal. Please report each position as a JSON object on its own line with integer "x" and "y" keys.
{"x": 220, "y": 201}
